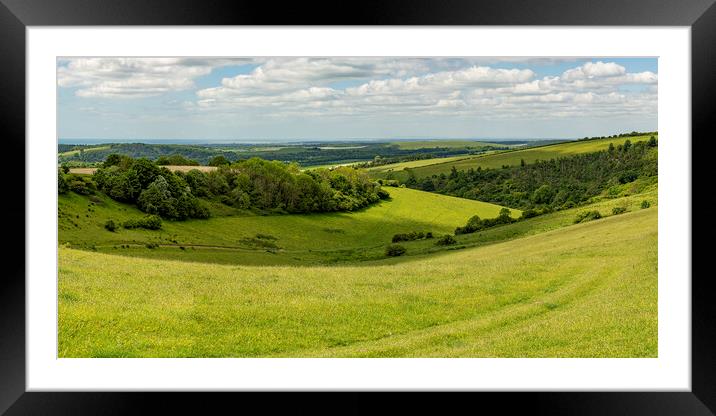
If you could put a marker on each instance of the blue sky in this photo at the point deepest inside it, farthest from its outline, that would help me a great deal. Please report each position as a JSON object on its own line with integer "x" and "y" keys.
{"x": 333, "y": 98}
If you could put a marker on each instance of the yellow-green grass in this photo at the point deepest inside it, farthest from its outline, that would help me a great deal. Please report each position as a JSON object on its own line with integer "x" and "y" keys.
{"x": 586, "y": 290}
{"x": 629, "y": 196}
{"x": 507, "y": 158}
{"x": 296, "y": 239}
{"x": 433, "y": 144}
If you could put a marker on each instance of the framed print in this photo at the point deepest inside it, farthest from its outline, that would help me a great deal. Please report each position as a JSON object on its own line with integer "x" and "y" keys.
{"x": 461, "y": 197}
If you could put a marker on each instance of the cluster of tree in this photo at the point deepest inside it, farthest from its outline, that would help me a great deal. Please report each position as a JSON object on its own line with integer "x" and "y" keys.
{"x": 249, "y": 184}
{"x": 412, "y": 236}
{"x": 551, "y": 184}
{"x": 75, "y": 183}
{"x": 475, "y": 223}
{"x": 614, "y": 136}
{"x": 154, "y": 189}
{"x": 176, "y": 160}
{"x": 273, "y": 185}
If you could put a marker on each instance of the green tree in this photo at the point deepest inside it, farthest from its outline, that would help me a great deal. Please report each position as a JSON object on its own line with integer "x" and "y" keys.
{"x": 62, "y": 185}
{"x": 157, "y": 199}
{"x": 219, "y": 160}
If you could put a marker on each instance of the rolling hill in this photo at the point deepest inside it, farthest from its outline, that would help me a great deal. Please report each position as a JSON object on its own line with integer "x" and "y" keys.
{"x": 551, "y": 294}
{"x": 247, "y": 238}
{"x": 496, "y": 160}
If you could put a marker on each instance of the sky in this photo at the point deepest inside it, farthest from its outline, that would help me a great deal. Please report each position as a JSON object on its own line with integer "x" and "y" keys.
{"x": 352, "y": 98}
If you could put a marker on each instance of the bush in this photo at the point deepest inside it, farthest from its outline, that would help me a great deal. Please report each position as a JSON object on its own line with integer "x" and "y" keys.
{"x": 587, "y": 216}
{"x": 446, "y": 240}
{"x": 645, "y": 204}
{"x": 150, "y": 222}
{"x": 411, "y": 236}
{"x": 618, "y": 210}
{"x": 529, "y": 213}
{"x": 110, "y": 225}
{"x": 62, "y": 185}
{"x": 395, "y": 250}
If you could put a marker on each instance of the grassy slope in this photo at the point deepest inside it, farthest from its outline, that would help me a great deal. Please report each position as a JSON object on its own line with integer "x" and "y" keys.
{"x": 497, "y": 160}
{"x": 547, "y": 295}
{"x": 301, "y": 239}
{"x": 629, "y": 196}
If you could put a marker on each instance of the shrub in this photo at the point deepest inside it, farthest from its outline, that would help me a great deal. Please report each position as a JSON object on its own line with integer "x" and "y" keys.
{"x": 529, "y": 213}
{"x": 62, "y": 185}
{"x": 80, "y": 187}
{"x": 150, "y": 222}
{"x": 618, "y": 210}
{"x": 395, "y": 250}
{"x": 645, "y": 204}
{"x": 411, "y": 236}
{"x": 383, "y": 194}
{"x": 446, "y": 240}
{"x": 587, "y": 216}
{"x": 429, "y": 234}
{"x": 110, "y": 225}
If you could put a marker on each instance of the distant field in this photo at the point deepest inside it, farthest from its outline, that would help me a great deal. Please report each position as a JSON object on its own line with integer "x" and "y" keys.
{"x": 295, "y": 239}
{"x": 89, "y": 149}
{"x": 173, "y": 168}
{"x": 547, "y": 295}
{"x": 415, "y": 163}
{"x": 429, "y": 144}
{"x": 499, "y": 159}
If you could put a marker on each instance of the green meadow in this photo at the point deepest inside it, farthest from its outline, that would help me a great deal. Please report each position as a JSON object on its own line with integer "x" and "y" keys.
{"x": 585, "y": 290}
{"x": 496, "y": 160}
{"x": 241, "y": 237}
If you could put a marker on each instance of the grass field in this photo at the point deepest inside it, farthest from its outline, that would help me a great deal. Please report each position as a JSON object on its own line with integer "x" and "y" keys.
{"x": 292, "y": 239}
{"x": 586, "y": 290}
{"x": 498, "y": 159}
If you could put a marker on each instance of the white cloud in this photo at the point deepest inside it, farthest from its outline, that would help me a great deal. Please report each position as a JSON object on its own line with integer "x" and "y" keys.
{"x": 375, "y": 87}
{"x": 134, "y": 77}
{"x": 593, "y": 70}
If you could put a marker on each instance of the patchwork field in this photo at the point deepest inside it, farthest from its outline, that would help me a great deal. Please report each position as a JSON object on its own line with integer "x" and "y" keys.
{"x": 496, "y": 160}
{"x": 551, "y": 294}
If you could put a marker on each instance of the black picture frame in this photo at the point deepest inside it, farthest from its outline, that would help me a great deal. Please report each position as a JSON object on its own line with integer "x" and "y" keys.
{"x": 16, "y": 15}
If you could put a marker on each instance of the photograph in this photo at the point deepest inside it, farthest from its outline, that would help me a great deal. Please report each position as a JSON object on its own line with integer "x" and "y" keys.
{"x": 357, "y": 206}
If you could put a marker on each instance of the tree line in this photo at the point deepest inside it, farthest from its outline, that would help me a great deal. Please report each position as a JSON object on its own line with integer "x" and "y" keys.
{"x": 549, "y": 184}
{"x": 254, "y": 184}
